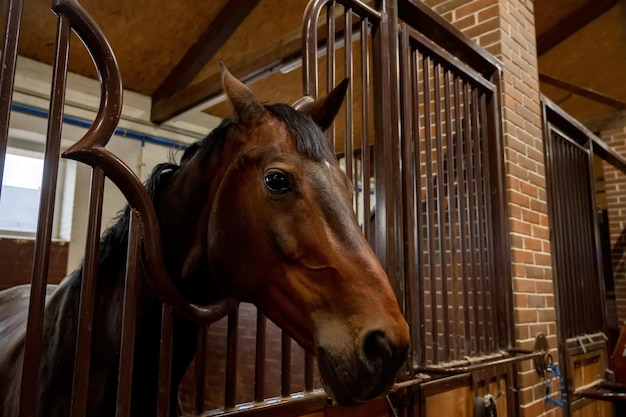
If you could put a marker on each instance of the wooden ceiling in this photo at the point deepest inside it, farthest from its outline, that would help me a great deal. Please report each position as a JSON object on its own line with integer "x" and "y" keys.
{"x": 582, "y": 57}
{"x": 170, "y": 50}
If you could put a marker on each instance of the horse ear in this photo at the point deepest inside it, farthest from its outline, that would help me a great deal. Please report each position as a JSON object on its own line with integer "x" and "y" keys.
{"x": 247, "y": 107}
{"x": 324, "y": 110}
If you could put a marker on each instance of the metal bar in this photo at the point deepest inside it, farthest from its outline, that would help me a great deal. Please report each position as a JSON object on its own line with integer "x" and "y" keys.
{"x": 88, "y": 296}
{"x": 451, "y": 199}
{"x": 440, "y": 204}
{"x": 454, "y": 370}
{"x": 490, "y": 249}
{"x": 165, "y": 362}
{"x": 430, "y": 206}
{"x": 577, "y": 245}
{"x": 408, "y": 193}
{"x": 330, "y": 63}
{"x": 285, "y": 365}
{"x": 581, "y": 242}
{"x": 32, "y": 346}
{"x": 308, "y": 371}
{"x": 129, "y": 318}
{"x": 461, "y": 193}
{"x": 419, "y": 209}
{"x": 230, "y": 390}
{"x": 259, "y": 359}
{"x": 199, "y": 370}
{"x": 7, "y": 73}
{"x": 365, "y": 116}
{"x": 348, "y": 133}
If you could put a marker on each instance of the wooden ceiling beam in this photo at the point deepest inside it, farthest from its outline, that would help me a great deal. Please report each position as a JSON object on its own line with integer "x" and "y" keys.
{"x": 571, "y": 23}
{"x": 250, "y": 68}
{"x": 583, "y": 92}
{"x": 264, "y": 63}
{"x": 205, "y": 47}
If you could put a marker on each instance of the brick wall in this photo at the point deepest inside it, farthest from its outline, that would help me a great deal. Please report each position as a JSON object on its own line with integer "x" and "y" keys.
{"x": 506, "y": 29}
{"x": 16, "y": 261}
{"x": 615, "y": 197}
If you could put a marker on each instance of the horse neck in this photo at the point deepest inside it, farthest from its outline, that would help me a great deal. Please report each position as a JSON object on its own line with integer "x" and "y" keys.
{"x": 183, "y": 212}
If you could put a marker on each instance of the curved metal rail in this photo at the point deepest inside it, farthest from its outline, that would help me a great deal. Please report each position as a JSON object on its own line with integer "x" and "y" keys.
{"x": 90, "y": 150}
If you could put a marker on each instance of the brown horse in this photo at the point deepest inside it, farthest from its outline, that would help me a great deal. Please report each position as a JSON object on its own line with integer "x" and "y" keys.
{"x": 259, "y": 211}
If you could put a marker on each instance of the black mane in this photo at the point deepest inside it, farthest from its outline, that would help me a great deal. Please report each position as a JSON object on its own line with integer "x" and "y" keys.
{"x": 310, "y": 140}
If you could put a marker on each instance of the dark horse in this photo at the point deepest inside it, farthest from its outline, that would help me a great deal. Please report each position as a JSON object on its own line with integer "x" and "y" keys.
{"x": 258, "y": 211}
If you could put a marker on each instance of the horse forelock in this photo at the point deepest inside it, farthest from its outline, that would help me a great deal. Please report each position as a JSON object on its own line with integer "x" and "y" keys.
{"x": 310, "y": 140}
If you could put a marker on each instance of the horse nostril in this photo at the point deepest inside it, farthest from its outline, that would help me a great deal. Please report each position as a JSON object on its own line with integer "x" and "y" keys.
{"x": 378, "y": 350}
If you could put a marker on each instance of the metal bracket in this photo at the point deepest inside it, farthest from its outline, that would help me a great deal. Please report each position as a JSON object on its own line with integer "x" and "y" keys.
{"x": 541, "y": 362}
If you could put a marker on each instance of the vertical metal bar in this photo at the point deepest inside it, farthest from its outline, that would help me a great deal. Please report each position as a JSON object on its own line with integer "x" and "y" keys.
{"x": 396, "y": 271}
{"x": 561, "y": 224}
{"x": 230, "y": 391}
{"x": 129, "y": 319}
{"x": 32, "y": 348}
{"x": 285, "y": 365}
{"x": 365, "y": 116}
{"x": 88, "y": 296}
{"x": 330, "y": 62}
{"x": 259, "y": 359}
{"x": 461, "y": 198}
{"x": 492, "y": 295}
{"x": 457, "y": 159}
{"x": 479, "y": 221}
{"x": 165, "y": 362}
{"x": 430, "y": 209}
{"x": 348, "y": 134}
{"x": 308, "y": 371}
{"x": 408, "y": 193}
{"x": 440, "y": 204}
{"x": 574, "y": 229}
{"x": 309, "y": 52}
{"x": 199, "y": 370}
{"x": 419, "y": 208}
{"x": 451, "y": 198}
{"x": 500, "y": 235}
{"x": 578, "y": 280}
{"x": 7, "y": 73}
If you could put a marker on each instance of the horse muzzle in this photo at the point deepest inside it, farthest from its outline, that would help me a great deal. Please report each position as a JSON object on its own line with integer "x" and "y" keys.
{"x": 364, "y": 375}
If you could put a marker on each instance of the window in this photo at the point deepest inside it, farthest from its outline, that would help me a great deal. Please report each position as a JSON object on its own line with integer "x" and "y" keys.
{"x": 21, "y": 191}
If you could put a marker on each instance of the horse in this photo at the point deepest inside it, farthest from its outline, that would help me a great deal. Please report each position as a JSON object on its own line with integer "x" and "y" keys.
{"x": 258, "y": 211}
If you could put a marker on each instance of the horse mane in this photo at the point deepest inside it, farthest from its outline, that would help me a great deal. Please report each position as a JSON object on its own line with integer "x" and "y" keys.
{"x": 309, "y": 140}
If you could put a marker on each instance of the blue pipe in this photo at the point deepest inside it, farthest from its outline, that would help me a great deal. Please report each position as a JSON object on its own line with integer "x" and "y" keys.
{"x": 84, "y": 123}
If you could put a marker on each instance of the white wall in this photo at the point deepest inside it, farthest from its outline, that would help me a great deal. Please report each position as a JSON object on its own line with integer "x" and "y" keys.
{"x": 32, "y": 88}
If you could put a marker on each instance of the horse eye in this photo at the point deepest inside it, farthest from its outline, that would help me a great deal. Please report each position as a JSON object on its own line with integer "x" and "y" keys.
{"x": 277, "y": 182}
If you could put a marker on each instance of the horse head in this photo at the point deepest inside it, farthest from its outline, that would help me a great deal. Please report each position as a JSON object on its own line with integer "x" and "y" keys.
{"x": 282, "y": 234}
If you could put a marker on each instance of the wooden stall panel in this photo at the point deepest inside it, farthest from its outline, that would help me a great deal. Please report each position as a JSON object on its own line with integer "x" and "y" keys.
{"x": 587, "y": 368}
{"x": 459, "y": 402}
{"x": 595, "y": 409}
